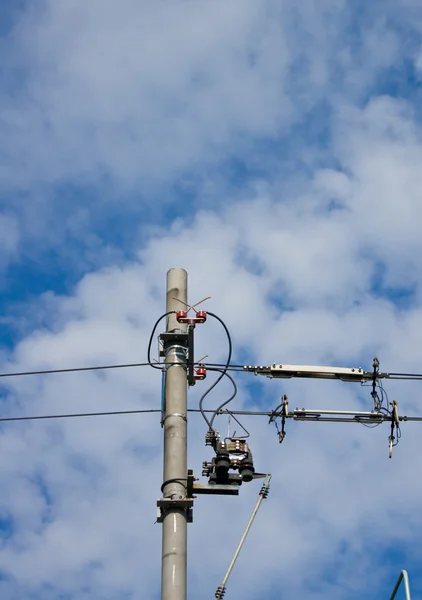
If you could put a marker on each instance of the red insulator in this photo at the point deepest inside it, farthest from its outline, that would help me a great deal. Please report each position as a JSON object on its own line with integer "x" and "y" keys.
{"x": 200, "y": 317}
{"x": 200, "y": 373}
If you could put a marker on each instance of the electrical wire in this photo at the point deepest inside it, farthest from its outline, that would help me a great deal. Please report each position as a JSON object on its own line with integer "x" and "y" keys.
{"x": 405, "y": 375}
{"x": 226, "y": 401}
{"x": 71, "y": 415}
{"x": 74, "y": 369}
{"x": 229, "y": 340}
{"x": 223, "y": 371}
{"x": 151, "y": 364}
{"x": 104, "y": 367}
{"x": 369, "y": 425}
{"x": 226, "y": 366}
{"x": 218, "y": 411}
{"x": 202, "y": 398}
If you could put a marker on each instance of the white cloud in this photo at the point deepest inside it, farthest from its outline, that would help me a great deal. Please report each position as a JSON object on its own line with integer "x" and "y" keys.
{"x": 103, "y": 475}
{"x": 301, "y": 272}
{"x": 141, "y": 93}
{"x": 141, "y": 90}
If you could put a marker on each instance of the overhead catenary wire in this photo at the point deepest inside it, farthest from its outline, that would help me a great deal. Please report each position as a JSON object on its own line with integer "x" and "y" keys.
{"x": 159, "y": 365}
{"x": 74, "y": 369}
{"x": 217, "y": 411}
{"x": 251, "y": 413}
{"x": 73, "y": 415}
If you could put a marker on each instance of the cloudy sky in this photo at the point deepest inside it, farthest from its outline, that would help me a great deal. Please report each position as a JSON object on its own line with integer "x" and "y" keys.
{"x": 273, "y": 149}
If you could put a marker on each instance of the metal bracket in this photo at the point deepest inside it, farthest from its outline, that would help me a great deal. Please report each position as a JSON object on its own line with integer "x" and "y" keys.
{"x": 186, "y": 341}
{"x": 224, "y": 489}
{"x": 216, "y": 488}
{"x": 170, "y": 337}
{"x": 185, "y": 504}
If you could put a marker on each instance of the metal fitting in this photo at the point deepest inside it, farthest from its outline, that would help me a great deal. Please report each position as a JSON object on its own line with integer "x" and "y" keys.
{"x": 174, "y": 415}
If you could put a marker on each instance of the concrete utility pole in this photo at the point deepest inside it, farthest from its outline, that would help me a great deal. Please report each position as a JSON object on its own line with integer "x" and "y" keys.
{"x": 174, "y": 507}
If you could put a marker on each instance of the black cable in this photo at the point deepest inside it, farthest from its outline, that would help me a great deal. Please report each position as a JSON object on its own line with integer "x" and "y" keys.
{"x": 202, "y": 398}
{"x": 399, "y": 377}
{"x": 418, "y": 375}
{"x": 151, "y": 364}
{"x": 68, "y": 416}
{"x": 369, "y": 425}
{"x": 227, "y": 367}
{"x": 222, "y": 372}
{"x": 73, "y": 370}
{"x": 226, "y": 401}
{"x": 180, "y": 480}
{"x": 219, "y": 411}
{"x": 133, "y": 412}
{"x": 104, "y": 367}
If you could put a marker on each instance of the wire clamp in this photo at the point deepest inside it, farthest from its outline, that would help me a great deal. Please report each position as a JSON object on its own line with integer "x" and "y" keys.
{"x": 395, "y": 424}
{"x": 284, "y": 406}
{"x": 375, "y": 374}
{"x": 182, "y": 416}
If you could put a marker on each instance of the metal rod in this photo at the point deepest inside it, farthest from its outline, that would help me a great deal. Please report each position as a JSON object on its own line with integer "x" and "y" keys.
{"x": 402, "y": 577}
{"x": 262, "y": 494}
{"x": 174, "y": 541}
{"x": 316, "y": 419}
{"x": 338, "y": 412}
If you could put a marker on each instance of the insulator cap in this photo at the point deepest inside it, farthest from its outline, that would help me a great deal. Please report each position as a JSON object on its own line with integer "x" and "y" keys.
{"x": 200, "y": 373}
{"x": 182, "y": 317}
{"x": 222, "y": 463}
{"x": 247, "y": 470}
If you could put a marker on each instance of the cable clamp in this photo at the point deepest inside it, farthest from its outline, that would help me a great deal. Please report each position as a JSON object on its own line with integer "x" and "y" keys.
{"x": 182, "y": 416}
{"x": 395, "y": 423}
{"x": 175, "y": 350}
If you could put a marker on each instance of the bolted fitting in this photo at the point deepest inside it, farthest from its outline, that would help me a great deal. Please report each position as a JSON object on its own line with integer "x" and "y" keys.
{"x": 206, "y": 468}
{"x": 211, "y": 438}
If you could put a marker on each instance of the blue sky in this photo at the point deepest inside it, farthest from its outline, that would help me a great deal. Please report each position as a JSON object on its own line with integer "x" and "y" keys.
{"x": 273, "y": 150}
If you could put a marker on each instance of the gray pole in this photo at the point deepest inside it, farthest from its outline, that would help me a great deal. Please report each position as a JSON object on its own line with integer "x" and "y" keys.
{"x": 175, "y": 515}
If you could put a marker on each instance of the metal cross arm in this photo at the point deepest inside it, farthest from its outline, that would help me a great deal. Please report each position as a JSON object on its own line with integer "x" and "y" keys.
{"x": 277, "y": 371}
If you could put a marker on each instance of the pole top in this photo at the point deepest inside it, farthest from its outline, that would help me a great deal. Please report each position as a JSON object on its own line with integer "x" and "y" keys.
{"x": 173, "y": 269}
